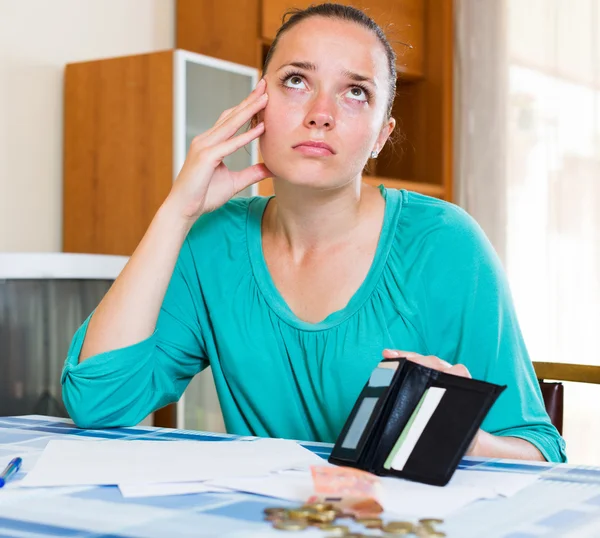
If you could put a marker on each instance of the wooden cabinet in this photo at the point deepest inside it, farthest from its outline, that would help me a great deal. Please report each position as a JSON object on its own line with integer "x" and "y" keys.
{"x": 423, "y": 108}
{"x": 226, "y": 29}
{"x": 127, "y": 128}
{"x": 422, "y": 159}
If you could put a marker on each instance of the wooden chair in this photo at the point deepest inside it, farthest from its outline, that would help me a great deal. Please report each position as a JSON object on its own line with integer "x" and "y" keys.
{"x": 553, "y": 392}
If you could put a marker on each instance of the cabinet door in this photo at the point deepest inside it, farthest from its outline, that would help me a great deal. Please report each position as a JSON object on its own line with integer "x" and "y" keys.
{"x": 402, "y": 20}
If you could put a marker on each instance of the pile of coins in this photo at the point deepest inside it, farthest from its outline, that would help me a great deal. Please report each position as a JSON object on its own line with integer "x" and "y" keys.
{"x": 324, "y": 517}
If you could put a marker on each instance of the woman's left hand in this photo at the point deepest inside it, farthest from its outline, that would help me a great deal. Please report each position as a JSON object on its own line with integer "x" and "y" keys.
{"x": 435, "y": 363}
{"x": 430, "y": 361}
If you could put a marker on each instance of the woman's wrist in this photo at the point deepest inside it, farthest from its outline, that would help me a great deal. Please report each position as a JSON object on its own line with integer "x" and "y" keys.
{"x": 175, "y": 217}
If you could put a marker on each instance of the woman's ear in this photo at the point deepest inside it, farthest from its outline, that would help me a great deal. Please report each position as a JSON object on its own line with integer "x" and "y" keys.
{"x": 384, "y": 134}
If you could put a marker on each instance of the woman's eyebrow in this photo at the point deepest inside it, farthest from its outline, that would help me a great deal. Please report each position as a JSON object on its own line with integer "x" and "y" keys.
{"x": 359, "y": 78}
{"x": 309, "y": 66}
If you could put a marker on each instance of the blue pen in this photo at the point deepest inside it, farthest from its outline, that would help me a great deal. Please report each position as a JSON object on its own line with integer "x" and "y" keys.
{"x": 13, "y": 466}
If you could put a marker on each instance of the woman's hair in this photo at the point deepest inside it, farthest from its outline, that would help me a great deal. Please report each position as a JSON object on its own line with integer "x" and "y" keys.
{"x": 344, "y": 13}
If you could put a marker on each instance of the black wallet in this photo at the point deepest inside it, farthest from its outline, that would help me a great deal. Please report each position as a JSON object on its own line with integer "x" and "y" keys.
{"x": 413, "y": 422}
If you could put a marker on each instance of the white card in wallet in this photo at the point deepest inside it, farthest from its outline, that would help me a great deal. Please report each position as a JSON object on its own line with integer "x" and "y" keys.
{"x": 416, "y": 425}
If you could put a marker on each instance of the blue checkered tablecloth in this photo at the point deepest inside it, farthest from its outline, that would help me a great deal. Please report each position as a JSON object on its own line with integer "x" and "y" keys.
{"x": 564, "y": 502}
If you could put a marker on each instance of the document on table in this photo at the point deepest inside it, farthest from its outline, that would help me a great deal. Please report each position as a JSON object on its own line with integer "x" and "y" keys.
{"x": 162, "y": 490}
{"x": 288, "y": 485}
{"x": 400, "y": 497}
{"x": 113, "y": 462}
{"x": 502, "y": 483}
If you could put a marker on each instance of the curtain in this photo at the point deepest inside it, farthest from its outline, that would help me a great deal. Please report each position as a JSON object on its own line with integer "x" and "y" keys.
{"x": 528, "y": 169}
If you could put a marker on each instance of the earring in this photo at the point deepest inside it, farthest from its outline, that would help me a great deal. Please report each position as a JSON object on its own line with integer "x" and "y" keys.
{"x": 374, "y": 154}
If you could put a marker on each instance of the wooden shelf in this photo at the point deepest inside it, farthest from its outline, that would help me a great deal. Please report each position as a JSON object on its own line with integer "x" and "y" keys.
{"x": 429, "y": 189}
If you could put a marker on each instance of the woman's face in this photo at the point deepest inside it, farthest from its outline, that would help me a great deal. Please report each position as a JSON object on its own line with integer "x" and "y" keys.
{"x": 328, "y": 90}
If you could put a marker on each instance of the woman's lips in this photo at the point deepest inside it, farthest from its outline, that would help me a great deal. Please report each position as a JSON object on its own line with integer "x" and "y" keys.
{"x": 314, "y": 149}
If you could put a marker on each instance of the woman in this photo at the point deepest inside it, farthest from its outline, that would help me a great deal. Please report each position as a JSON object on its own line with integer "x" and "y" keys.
{"x": 293, "y": 299}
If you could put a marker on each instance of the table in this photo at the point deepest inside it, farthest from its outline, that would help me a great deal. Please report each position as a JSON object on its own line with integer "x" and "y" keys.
{"x": 564, "y": 502}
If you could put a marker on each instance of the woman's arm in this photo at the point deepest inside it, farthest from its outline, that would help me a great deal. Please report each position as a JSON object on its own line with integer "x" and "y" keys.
{"x": 129, "y": 311}
{"x": 487, "y": 445}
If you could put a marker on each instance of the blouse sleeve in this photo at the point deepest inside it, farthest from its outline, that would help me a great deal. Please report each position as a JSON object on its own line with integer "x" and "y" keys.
{"x": 472, "y": 320}
{"x": 121, "y": 387}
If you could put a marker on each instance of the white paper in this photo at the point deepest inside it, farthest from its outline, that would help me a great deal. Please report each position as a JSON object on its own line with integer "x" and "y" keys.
{"x": 399, "y": 497}
{"x": 297, "y": 486}
{"x": 415, "y": 500}
{"x": 289, "y": 485}
{"x": 160, "y": 490}
{"x": 502, "y": 483}
{"x": 431, "y": 401}
{"x": 113, "y": 462}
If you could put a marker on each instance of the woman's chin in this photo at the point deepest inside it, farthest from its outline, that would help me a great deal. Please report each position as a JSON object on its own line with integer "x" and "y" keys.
{"x": 314, "y": 177}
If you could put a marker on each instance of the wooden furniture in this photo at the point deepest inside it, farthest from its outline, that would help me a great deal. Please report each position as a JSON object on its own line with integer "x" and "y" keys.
{"x": 127, "y": 127}
{"x": 243, "y": 32}
{"x": 553, "y": 392}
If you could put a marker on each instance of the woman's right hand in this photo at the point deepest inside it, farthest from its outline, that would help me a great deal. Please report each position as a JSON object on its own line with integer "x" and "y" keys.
{"x": 204, "y": 182}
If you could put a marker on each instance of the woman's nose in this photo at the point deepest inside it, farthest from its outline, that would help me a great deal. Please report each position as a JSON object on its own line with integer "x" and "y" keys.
{"x": 321, "y": 114}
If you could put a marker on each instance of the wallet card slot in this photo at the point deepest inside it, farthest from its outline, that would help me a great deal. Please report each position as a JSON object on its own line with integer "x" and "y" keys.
{"x": 401, "y": 403}
{"x": 447, "y": 435}
{"x": 354, "y": 438}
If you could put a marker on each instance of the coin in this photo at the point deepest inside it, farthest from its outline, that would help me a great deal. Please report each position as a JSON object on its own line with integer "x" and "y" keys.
{"x": 370, "y": 522}
{"x": 318, "y": 507}
{"x": 274, "y": 510}
{"x": 322, "y": 517}
{"x": 299, "y": 514}
{"x": 275, "y": 517}
{"x": 398, "y": 527}
{"x": 334, "y": 530}
{"x": 431, "y": 521}
{"x": 290, "y": 525}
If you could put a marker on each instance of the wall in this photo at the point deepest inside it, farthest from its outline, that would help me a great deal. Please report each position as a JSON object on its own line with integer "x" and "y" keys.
{"x": 37, "y": 39}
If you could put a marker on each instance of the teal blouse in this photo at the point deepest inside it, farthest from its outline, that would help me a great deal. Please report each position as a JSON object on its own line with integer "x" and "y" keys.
{"x": 435, "y": 287}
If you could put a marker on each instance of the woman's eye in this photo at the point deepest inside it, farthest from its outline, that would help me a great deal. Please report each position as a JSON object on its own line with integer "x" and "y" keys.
{"x": 358, "y": 94}
{"x": 294, "y": 82}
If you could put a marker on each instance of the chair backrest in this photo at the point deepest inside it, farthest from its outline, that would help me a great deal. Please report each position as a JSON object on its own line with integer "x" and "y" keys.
{"x": 554, "y": 400}
{"x": 553, "y": 392}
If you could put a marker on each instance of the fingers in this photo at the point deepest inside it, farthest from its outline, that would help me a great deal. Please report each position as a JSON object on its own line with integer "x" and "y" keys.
{"x": 220, "y": 151}
{"x": 224, "y": 115}
{"x": 430, "y": 361}
{"x": 460, "y": 370}
{"x": 232, "y": 119}
{"x": 249, "y": 176}
{"x": 237, "y": 119}
{"x": 255, "y": 93}
{"x": 207, "y": 137}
